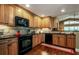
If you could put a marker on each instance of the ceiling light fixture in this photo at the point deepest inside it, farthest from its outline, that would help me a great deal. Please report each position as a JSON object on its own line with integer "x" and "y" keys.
{"x": 63, "y": 10}
{"x": 42, "y": 15}
{"x": 27, "y": 5}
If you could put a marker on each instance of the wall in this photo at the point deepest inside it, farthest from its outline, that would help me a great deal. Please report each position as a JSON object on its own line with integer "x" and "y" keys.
{"x": 77, "y": 41}
{"x": 56, "y": 23}
{"x": 6, "y": 30}
{"x": 61, "y": 26}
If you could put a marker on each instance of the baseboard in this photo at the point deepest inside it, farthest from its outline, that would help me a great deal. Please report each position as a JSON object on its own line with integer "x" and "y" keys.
{"x": 77, "y": 50}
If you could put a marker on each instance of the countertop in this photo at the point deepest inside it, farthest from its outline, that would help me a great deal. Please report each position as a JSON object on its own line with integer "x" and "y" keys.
{"x": 66, "y": 33}
{"x": 6, "y": 39}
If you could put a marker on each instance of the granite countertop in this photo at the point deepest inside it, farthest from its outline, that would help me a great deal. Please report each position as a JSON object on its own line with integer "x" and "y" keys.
{"x": 6, "y": 37}
{"x": 56, "y": 33}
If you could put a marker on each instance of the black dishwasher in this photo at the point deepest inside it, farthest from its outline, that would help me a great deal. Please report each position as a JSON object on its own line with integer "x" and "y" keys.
{"x": 48, "y": 38}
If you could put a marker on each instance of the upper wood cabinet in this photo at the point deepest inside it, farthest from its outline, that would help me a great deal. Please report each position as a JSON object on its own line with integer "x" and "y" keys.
{"x": 1, "y": 14}
{"x": 46, "y": 22}
{"x": 9, "y": 14}
{"x": 18, "y": 12}
{"x": 25, "y": 14}
{"x": 35, "y": 21}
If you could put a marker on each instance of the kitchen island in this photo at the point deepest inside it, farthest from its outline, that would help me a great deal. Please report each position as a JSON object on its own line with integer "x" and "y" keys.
{"x": 66, "y": 40}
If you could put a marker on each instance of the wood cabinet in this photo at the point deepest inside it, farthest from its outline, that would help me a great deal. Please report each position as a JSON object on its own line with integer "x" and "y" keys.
{"x": 2, "y": 14}
{"x": 70, "y": 41}
{"x": 9, "y": 12}
{"x": 13, "y": 48}
{"x": 37, "y": 21}
{"x": 55, "y": 39}
{"x": 34, "y": 41}
{"x": 18, "y": 11}
{"x": 46, "y": 22}
{"x": 3, "y": 49}
{"x": 37, "y": 39}
{"x": 62, "y": 40}
{"x": 9, "y": 47}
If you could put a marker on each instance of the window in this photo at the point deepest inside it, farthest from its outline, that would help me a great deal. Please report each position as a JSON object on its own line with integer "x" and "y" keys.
{"x": 74, "y": 27}
{"x": 67, "y": 22}
{"x": 71, "y": 22}
{"x": 71, "y": 28}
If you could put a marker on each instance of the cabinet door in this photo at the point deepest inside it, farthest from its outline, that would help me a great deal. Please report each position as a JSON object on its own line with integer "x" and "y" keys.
{"x": 55, "y": 39}
{"x": 11, "y": 19}
{"x": 40, "y": 38}
{"x": 62, "y": 40}
{"x": 34, "y": 40}
{"x": 39, "y": 22}
{"x": 3, "y": 49}
{"x": 13, "y": 48}
{"x": 35, "y": 21}
{"x": 70, "y": 41}
{"x": 18, "y": 12}
{"x": 1, "y": 14}
{"x": 9, "y": 15}
{"x": 31, "y": 21}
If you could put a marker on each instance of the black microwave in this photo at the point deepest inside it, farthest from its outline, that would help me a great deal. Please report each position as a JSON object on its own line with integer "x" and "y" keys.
{"x": 23, "y": 22}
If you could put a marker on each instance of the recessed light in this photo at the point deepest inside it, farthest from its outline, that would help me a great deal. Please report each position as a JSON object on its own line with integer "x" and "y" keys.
{"x": 19, "y": 10}
{"x": 27, "y": 5}
{"x": 63, "y": 10}
{"x": 42, "y": 15}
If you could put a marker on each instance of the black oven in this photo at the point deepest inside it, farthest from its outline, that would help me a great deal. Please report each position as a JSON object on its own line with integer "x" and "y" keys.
{"x": 25, "y": 44}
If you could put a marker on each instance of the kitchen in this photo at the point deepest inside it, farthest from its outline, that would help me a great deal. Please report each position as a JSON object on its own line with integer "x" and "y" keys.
{"x": 57, "y": 35}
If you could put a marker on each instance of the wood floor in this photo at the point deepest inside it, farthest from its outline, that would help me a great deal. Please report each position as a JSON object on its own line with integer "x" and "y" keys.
{"x": 44, "y": 50}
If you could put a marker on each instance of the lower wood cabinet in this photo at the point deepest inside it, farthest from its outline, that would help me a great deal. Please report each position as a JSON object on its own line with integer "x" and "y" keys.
{"x": 37, "y": 39}
{"x": 9, "y": 47}
{"x": 55, "y": 39}
{"x": 13, "y": 48}
{"x": 62, "y": 40}
{"x": 3, "y": 49}
{"x": 70, "y": 41}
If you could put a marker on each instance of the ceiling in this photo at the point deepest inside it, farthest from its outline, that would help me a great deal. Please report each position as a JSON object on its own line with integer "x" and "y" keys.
{"x": 52, "y": 9}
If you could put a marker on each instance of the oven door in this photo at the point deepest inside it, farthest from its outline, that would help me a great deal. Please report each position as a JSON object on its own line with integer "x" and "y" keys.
{"x": 25, "y": 44}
